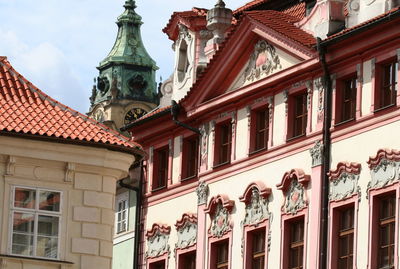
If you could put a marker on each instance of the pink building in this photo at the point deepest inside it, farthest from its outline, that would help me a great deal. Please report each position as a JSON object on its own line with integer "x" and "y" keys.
{"x": 281, "y": 148}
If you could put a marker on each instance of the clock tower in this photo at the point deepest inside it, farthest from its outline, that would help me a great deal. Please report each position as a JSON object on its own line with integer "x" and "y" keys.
{"x": 125, "y": 88}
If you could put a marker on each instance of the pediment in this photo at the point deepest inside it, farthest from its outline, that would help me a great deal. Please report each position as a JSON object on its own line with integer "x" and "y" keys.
{"x": 252, "y": 52}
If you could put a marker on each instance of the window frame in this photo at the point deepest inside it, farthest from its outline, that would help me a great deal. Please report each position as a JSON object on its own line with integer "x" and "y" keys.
{"x": 214, "y": 243}
{"x": 291, "y": 113}
{"x": 124, "y": 196}
{"x": 217, "y": 162}
{"x": 36, "y": 212}
{"x": 249, "y": 232}
{"x": 379, "y": 87}
{"x": 187, "y": 155}
{"x": 180, "y": 253}
{"x": 156, "y": 167}
{"x": 339, "y": 96}
{"x": 266, "y": 107}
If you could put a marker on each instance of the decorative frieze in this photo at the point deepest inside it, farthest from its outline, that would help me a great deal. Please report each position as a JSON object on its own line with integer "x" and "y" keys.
{"x": 316, "y": 153}
{"x": 293, "y": 186}
{"x": 202, "y": 193}
{"x": 344, "y": 181}
{"x": 385, "y": 168}
{"x": 157, "y": 241}
{"x": 263, "y": 61}
{"x": 187, "y": 231}
{"x": 219, "y": 209}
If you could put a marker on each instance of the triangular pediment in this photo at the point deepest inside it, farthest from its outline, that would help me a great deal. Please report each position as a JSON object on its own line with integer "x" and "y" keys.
{"x": 254, "y": 51}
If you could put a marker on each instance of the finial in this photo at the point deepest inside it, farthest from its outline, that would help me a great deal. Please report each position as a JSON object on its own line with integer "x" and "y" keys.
{"x": 220, "y": 3}
{"x": 130, "y": 4}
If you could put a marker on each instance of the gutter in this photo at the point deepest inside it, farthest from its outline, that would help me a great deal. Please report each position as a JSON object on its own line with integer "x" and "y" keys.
{"x": 175, "y": 112}
{"x": 327, "y": 143}
{"x": 147, "y": 119}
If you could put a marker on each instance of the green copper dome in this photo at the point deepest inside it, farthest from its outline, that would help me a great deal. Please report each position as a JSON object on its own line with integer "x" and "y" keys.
{"x": 128, "y": 72}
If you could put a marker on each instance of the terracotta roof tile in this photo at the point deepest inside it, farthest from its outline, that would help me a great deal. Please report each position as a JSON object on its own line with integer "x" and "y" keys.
{"x": 194, "y": 13}
{"x": 26, "y": 109}
{"x": 249, "y": 5}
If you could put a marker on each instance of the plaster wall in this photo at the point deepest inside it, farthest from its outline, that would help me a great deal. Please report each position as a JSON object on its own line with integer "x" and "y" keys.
{"x": 242, "y": 135}
{"x": 366, "y": 95}
{"x": 279, "y": 121}
{"x": 86, "y": 178}
{"x": 177, "y": 160}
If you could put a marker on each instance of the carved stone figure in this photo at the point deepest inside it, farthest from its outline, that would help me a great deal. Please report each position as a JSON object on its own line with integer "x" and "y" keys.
{"x": 257, "y": 209}
{"x": 294, "y": 198}
{"x": 316, "y": 153}
{"x": 202, "y": 193}
{"x": 220, "y": 223}
{"x": 263, "y": 61}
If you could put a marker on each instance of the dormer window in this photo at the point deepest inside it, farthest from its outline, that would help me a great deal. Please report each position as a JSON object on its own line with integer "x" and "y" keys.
{"x": 183, "y": 62}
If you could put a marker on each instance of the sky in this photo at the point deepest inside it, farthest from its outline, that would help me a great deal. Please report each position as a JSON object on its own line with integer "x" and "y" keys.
{"x": 57, "y": 44}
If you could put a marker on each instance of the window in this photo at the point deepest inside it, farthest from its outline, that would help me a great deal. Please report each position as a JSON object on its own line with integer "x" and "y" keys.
{"x": 258, "y": 249}
{"x": 160, "y": 169}
{"x": 299, "y": 113}
{"x": 346, "y": 238}
{"x": 346, "y": 101}
{"x": 187, "y": 260}
{"x": 388, "y": 82}
{"x": 190, "y": 152}
{"x": 386, "y": 227}
{"x": 122, "y": 206}
{"x": 35, "y": 222}
{"x": 157, "y": 265}
{"x": 223, "y": 138}
{"x": 296, "y": 244}
{"x": 260, "y": 129}
{"x": 222, "y": 254}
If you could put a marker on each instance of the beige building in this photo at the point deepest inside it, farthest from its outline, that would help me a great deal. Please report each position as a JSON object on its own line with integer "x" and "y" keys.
{"x": 58, "y": 174}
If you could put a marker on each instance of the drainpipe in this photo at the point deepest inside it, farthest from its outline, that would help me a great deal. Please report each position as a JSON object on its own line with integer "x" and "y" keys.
{"x": 327, "y": 82}
{"x": 175, "y": 111}
{"x": 138, "y": 214}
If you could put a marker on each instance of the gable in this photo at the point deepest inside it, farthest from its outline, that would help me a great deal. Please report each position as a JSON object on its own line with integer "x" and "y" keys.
{"x": 265, "y": 60}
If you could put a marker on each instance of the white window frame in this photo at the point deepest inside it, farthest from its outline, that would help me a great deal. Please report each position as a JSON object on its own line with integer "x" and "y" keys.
{"x": 122, "y": 198}
{"x": 36, "y": 212}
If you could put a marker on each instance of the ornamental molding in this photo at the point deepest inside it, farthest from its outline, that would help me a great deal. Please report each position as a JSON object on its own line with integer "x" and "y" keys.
{"x": 69, "y": 172}
{"x": 11, "y": 163}
{"x": 219, "y": 210}
{"x": 202, "y": 191}
{"x": 205, "y": 132}
{"x": 293, "y": 186}
{"x": 320, "y": 87}
{"x": 344, "y": 181}
{"x": 263, "y": 61}
{"x": 256, "y": 201}
{"x": 184, "y": 33}
{"x": 157, "y": 240}
{"x": 186, "y": 229}
{"x": 317, "y": 152}
{"x": 384, "y": 168}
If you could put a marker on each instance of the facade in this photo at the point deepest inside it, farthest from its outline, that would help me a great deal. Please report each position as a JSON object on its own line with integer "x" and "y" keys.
{"x": 58, "y": 174}
{"x": 281, "y": 150}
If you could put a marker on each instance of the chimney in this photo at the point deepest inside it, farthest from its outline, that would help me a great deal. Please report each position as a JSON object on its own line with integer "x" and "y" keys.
{"x": 219, "y": 19}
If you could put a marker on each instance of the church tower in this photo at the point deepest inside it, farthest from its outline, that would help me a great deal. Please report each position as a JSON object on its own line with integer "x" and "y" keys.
{"x": 125, "y": 88}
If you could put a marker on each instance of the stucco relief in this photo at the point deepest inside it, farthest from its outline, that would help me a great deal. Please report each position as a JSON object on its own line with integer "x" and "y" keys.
{"x": 202, "y": 193}
{"x": 10, "y": 169}
{"x": 220, "y": 223}
{"x": 319, "y": 86}
{"x": 385, "y": 168}
{"x": 157, "y": 241}
{"x": 69, "y": 172}
{"x": 187, "y": 231}
{"x": 256, "y": 209}
{"x": 316, "y": 153}
{"x": 344, "y": 181}
{"x": 263, "y": 61}
{"x": 204, "y": 130}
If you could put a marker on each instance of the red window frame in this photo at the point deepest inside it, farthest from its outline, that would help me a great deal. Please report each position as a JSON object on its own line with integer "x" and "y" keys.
{"x": 296, "y": 243}
{"x": 190, "y": 157}
{"x": 257, "y": 242}
{"x": 346, "y": 99}
{"x": 259, "y": 133}
{"x": 187, "y": 260}
{"x": 160, "y": 168}
{"x": 386, "y": 84}
{"x": 345, "y": 237}
{"x": 298, "y": 115}
{"x": 386, "y": 226}
{"x": 220, "y": 254}
{"x": 223, "y": 143}
{"x": 157, "y": 265}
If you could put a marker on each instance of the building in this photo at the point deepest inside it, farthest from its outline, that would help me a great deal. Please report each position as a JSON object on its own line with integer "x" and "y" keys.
{"x": 281, "y": 150}
{"x": 125, "y": 90}
{"x": 58, "y": 174}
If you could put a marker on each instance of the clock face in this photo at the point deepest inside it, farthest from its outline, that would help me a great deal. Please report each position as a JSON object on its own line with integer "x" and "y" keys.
{"x": 134, "y": 114}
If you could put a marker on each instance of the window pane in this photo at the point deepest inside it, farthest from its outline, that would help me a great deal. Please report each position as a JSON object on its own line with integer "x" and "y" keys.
{"x": 49, "y": 201}
{"x": 23, "y": 229}
{"x": 47, "y": 247}
{"x": 48, "y": 225}
{"x": 24, "y": 198}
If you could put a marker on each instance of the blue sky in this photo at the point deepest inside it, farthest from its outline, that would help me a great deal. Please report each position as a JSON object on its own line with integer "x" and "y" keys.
{"x": 57, "y": 44}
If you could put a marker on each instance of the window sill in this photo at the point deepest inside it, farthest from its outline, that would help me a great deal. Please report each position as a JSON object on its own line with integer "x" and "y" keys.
{"x": 221, "y": 164}
{"x": 188, "y": 178}
{"x": 384, "y": 108}
{"x": 295, "y": 137}
{"x": 35, "y": 259}
{"x": 344, "y": 122}
{"x": 257, "y": 151}
{"x": 158, "y": 189}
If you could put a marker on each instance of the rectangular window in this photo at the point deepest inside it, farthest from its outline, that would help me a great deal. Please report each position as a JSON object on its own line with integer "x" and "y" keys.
{"x": 158, "y": 265}
{"x": 386, "y": 227}
{"x": 36, "y": 217}
{"x": 388, "y": 82}
{"x": 260, "y": 129}
{"x": 122, "y": 206}
{"x": 187, "y": 260}
{"x": 223, "y": 138}
{"x": 222, "y": 255}
{"x": 190, "y": 152}
{"x": 296, "y": 244}
{"x": 299, "y": 115}
{"x": 160, "y": 170}
{"x": 347, "y": 100}
{"x": 258, "y": 249}
{"x": 346, "y": 238}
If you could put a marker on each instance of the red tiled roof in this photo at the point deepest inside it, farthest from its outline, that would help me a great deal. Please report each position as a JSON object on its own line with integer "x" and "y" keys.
{"x": 24, "y": 109}
{"x": 283, "y": 24}
{"x": 389, "y": 13}
{"x": 194, "y": 13}
{"x": 298, "y": 11}
{"x": 249, "y": 5}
